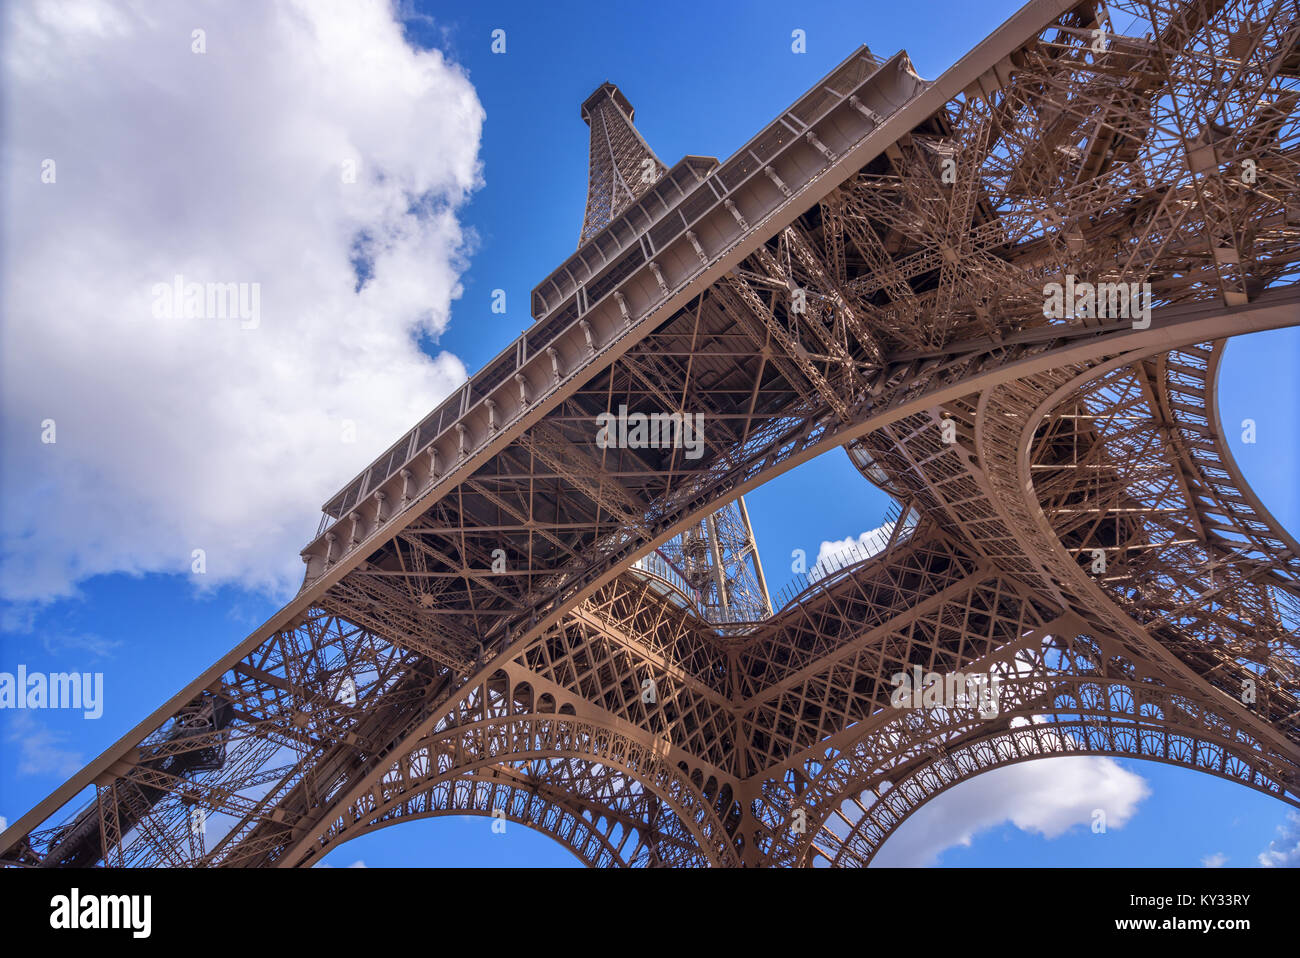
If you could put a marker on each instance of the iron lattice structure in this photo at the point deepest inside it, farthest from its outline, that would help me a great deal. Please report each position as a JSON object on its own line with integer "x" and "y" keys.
{"x": 713, "y": 565}
{"x": 621, "y": 166}
{"x": 923, "y": 221}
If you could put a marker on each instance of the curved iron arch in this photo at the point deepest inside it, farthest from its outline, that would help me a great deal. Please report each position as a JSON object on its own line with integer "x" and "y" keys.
{"x": 600, "y": 841}
{"x": 892, "y": 806}
{"x": 544, "y": 736}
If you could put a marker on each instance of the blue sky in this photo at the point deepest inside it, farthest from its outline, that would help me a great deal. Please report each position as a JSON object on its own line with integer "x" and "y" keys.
{"x": 702, "y": 79}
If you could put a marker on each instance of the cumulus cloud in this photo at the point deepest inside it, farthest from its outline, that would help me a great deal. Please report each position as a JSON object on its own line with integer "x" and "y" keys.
{"x": 1046, "y": 796}
{"x": 1284, "y": 851}
{"x": 230, "y": 165}
{"x": 837, "y": 554}
{"x": 1217, "y": 860}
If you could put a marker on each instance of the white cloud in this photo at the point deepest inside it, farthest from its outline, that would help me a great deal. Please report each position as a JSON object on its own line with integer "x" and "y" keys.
{"x": 837, "y": 554}
{"x": 1217, "y": 860}
{"x": 94, "y": 645}
{"x": 1284, "y": 851}
{"x": 39, "y": 751}
{"x": 226, "y": 166}
{"x": 1046, "y": 796}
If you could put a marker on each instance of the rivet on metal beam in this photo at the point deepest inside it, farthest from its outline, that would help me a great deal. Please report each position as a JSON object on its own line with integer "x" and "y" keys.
{"x": 622, "y": 305}
{"x": 780, "y": 183}
{"x": 699, "y": 250}
{"x": 820, "y": 147}
{"x": 555, "y": 362}
{"x": 659, "y": 278}
{"x": 744, "y": 224}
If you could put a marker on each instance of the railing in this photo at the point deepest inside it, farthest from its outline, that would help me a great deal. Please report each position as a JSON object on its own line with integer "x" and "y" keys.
{"x": 783, "y": 135}
{"x": 896, "y": 526}
{"x": 656, "y": 565}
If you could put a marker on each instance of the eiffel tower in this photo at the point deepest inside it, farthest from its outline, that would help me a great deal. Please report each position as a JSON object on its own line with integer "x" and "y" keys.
{"x": 482, "y": 630}
{"x": 714, "y": 564}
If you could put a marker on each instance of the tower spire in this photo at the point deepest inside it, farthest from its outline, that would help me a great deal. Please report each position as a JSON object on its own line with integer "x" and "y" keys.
{"x": 716, "y": 560}
{"x": 622, "y": 165}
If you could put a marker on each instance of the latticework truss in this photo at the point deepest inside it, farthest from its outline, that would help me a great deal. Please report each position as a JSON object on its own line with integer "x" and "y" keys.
{"x": 870, "y": 271}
